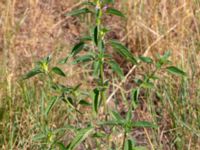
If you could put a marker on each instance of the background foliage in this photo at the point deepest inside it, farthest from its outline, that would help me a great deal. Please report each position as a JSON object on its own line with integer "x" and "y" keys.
{"x": 31, "y": 29}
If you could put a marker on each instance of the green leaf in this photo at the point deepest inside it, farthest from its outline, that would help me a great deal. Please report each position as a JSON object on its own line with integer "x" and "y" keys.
{"x": 96, "y": 68}
{"x": 78, "y": 12}
{"x": 109, "y": 1}
{"x": 129, "y": 144}
{"x": 84, "y": 103}
{"x": 134, "y": 97}
{"x": 143, "y": 124}
{"x": 129, "y": 115}
{"x": 62, "y": 88}
{"x": 80, "y": 136}
{"x": 147, "y": 85}
{"x": 83, "y": 59}
{"x": 77, "y": 87}
{"x": 88, "y": 3}
{"x": 70, "y": 101}
{"x": 105, "y": 30}
{"x": 31, "y": 73}
{"x": 163, "y": 59}
{"x": 86, "y": 38}
{"x": 146, "y": 59}
{"x": 46, "y": 59}
{"x": 116, "y": 68}
{"x": 116, "y": 116}
{"x": 138, "y": 81}
{"x": 113, "y": 123}
{"x": 96, "y": 100}
{"x": 39, "y": 137}
{"x": 77, "y": 48}
{"x": 58, "y": 71}
{"x": 95, "y": 35}
{"x": 123, "y": 51}
{"x": 63, "y": 61}
{"x": 61, "y": 146}
{"x": 99, "y": 135}
{"x": 176, "y": 71}
{"x": 166, "y": 55}
{"x": 116, "y": 12}
{"x": 50, "y": 104}
{"x": 101, "y": 46}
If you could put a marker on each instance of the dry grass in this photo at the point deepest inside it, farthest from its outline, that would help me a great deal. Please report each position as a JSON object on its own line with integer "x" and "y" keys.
{"x": 31, "y": 29}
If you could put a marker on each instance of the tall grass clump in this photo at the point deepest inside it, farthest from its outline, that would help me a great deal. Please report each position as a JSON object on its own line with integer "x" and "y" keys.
{"x": 90, "y": 122}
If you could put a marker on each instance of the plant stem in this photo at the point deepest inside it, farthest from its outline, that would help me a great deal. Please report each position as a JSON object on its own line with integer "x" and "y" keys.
{"x": 101, "y": 53}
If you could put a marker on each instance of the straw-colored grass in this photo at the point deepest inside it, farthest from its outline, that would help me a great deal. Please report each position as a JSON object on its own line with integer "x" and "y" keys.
{"x": 32, "y": 29}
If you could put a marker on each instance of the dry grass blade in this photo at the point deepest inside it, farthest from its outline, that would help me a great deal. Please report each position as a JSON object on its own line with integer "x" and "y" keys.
{"x": 146, "y": 54}
{"x": 68, "y": 10}
{"x": 133, "y": 68}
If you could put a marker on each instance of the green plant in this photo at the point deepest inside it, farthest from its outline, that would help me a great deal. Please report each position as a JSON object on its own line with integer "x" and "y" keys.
{"x": 95, "y": 51}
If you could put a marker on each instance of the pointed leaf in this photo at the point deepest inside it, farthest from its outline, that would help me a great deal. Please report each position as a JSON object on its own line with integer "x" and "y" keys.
{"x": 129, "y": 144}
{"x": 166, "y": 55}
{"x": 116, "y": 12}
{"x": 31, "y": 73}
{"x": 146, "y": 59}
{"x": 79, "y": 12}
{"x": 77, "y": 48}
{"x": 86, "y": 38}
{"x": 129, "y": 115}
{"x": 135, "y": 94}
{"x": 116, "y": 116}
{"x": 39, "y": 137}
{"x": 50, "y": 104}
{"x": 123, "y": 51}
{"x": 96, "y": 100}
{"x": 63, "y": 61}
{"x": 144, "y": 124}
{"x": 96, "y": 68}
{"x": 84, "y": 103}
{"x": 80, "y": 136}
{"x": 116, "y": 68}
{"x": 99, "y": 135}
{"x": 95, "y": 35}
{"x": 176, "y": 71}
{"x": 83, "y": 59}
{"x": 88, "y": 3}
{"x": 109, "y": 1}
{"x": 147, "y": 85}
{"x": 163, "y": 59}
{"x": 134, "y": 97}
{"x": 113, "y": 123}
{"x": 58, "y": 71}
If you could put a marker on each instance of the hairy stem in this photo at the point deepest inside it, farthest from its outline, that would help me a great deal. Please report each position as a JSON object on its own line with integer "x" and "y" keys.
{"x": 101, "y": 53}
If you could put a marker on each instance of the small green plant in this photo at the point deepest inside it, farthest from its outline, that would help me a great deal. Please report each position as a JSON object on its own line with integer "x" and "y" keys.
{"x": 94, "y": 49}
